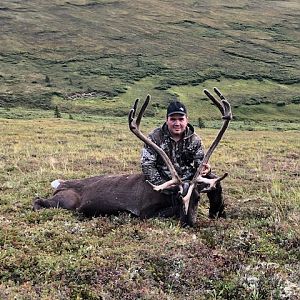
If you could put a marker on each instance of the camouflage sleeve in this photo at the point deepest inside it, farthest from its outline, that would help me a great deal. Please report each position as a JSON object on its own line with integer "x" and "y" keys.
{"x": 198, "y": 152}
{"x": 148, "y": 162}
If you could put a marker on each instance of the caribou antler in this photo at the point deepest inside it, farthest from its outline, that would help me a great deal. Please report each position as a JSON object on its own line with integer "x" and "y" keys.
{"x": 225, "y": 110}
{"x": 134, "y": 123}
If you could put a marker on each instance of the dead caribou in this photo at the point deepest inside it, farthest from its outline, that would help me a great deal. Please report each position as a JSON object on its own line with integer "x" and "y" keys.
{"x": 112, "y": 194}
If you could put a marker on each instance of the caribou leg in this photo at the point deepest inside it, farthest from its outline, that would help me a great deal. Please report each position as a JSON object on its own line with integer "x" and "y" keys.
{"x": 67, "y": 199}
{"x": 216, "y": 203}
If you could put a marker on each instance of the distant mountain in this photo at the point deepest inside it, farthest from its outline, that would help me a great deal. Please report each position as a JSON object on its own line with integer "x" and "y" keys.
{"x": 81, "y": 49}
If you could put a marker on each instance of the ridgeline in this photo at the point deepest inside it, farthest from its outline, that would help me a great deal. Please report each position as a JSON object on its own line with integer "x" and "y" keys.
{"x": 98, "y": 56}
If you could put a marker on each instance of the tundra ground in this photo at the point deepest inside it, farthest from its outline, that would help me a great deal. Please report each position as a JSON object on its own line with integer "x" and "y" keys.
{"x": 58, "y": 254}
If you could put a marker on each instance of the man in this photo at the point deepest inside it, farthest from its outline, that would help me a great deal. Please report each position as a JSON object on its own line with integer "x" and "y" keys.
{"x": 185, "y": 149}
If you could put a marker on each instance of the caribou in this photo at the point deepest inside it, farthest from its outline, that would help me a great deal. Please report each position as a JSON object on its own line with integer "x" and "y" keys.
{"x": 132, "y": 193}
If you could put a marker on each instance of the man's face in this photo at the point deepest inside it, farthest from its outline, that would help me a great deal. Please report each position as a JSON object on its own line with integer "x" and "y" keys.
{"x": 177, "y": 124}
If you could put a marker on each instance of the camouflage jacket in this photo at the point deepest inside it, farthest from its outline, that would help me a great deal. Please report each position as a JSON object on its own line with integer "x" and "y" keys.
{"x": 186, "y": 155}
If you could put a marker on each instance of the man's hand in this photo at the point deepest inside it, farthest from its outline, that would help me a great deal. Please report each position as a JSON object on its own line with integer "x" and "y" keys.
{"x": 205, "y": 169}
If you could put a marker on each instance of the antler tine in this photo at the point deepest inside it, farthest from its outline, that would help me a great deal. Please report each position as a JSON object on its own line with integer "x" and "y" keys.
{"x": 212, "y": 182}
{"x": 136, "y": 102}
{"x": 218, "y": 92}
{"x": 131, "y": 115}
{"x": 142, "y": 111}
{"x": 215, "y": 101}
{"x": 225, "y": 104}
{"x": 227, "y": 110}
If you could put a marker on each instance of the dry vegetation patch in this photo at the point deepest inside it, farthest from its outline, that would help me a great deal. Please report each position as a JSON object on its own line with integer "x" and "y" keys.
{"x": 56, "y": 254}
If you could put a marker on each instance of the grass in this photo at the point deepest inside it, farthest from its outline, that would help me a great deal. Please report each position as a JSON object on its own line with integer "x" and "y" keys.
{"x": 56, "y": 254}
{"x": 251, "y": 100}
{"x": 53, "y": 52}
{"x": 91, "y": 59}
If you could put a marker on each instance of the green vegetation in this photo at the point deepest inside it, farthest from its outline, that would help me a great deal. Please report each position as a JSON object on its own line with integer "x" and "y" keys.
{"x": 69, "y": 73}
{"x": 98, "y": 56}
{"x": 56, "y": 254}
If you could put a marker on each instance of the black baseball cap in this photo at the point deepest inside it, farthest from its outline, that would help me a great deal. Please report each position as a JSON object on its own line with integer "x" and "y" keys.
{"x": 176, "y": 107}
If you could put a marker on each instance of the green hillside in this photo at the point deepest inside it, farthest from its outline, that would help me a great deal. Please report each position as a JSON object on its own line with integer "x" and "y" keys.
{"x": 96, "y": 56}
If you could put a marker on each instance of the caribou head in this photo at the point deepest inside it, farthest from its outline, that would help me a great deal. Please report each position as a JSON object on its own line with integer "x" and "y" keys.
{"x": 134, "y": 125}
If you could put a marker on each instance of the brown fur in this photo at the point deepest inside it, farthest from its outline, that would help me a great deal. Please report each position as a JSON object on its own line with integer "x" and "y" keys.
{"x": 112, "y": 194}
